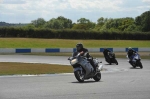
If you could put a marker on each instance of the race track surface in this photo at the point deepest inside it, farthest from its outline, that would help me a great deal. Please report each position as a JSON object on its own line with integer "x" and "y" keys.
{"x": 118, "y": 82}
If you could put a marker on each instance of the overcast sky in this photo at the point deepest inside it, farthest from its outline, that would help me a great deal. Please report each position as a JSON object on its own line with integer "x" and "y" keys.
{"x": 24, "y": 11}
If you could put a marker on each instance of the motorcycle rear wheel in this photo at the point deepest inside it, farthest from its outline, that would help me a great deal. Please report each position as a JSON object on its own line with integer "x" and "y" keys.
{"x": 79, "y": 76}
{"x": 97, "y": 77}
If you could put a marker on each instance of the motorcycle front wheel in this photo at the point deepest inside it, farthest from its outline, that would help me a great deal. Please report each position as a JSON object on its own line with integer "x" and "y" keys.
{"x": 79, "y": 76}
{"x": 140, "y": 64}
{"x": 116, "y": 62}
{"x": 97, "y": 77}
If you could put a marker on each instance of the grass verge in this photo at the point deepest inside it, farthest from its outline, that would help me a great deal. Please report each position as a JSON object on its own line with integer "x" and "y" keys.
{"x": 68, "y": 43}
{"x": 11, "y": 68}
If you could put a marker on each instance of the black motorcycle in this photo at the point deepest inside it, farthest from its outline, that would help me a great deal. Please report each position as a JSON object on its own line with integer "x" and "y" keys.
{"x": 110, "y": 58}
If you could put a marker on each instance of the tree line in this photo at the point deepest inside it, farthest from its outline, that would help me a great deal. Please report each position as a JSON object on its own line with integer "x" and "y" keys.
{"x": 63, "y": 28}
{"x": 140, "y": 23}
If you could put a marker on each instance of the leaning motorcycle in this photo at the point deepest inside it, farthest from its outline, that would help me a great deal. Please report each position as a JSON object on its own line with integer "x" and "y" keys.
{"x": 110, "y": 58}
{"x": 136, "y": 61}
{"x": 83, "y": 70}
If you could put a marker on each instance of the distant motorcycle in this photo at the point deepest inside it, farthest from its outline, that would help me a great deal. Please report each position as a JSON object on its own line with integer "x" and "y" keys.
{"x": 110, "y": 58}
{"x": 83, "y": 70}
{"x": 136, "y": 61}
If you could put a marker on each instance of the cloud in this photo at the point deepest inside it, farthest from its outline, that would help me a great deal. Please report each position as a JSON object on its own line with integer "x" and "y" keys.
{"x": 28, "y": 10}
{"x": 95, "y": 4}
{"x": 13, "y": 1}
{"x": 146, "y": 0}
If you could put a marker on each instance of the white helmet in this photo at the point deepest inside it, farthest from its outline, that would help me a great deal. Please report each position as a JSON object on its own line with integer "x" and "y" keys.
{"x": 130, "y": 48}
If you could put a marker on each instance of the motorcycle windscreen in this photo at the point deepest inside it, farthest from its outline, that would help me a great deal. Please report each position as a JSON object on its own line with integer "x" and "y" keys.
{"x": 136, "y": 57}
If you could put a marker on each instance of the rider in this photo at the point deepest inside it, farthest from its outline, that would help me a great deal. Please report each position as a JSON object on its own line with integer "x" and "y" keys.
{"x": 130, "y": 54}
{"x": 106, "y": 51}
{"x": 82, "y": 51}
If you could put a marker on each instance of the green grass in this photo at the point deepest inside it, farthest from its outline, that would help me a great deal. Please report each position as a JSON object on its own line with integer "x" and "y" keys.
{"x": 9, "y": 68}
{"x": 66, "y": 43}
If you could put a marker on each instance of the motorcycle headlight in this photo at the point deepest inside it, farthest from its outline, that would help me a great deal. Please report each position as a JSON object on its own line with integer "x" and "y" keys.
{"x": 74, "y": 61}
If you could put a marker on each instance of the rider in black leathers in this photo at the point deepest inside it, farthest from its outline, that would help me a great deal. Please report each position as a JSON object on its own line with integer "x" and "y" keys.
{"x": 130, "y": 54}
{"x": 82, "y": 51}
{"x": 105, "y": 52}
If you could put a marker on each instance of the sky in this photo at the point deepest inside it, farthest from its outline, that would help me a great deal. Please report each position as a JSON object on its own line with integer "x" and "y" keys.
{"x": 24, "y": 11}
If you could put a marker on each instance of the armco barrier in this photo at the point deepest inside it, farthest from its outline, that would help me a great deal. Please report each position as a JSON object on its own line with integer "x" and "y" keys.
{"x": 59, "y": 50}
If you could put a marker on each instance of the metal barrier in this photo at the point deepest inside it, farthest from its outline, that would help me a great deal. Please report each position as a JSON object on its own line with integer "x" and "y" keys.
{"x": 59, "y": 50}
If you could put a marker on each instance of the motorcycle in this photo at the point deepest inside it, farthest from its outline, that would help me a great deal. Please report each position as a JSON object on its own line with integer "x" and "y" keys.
{"x": 110, "y": 58}
{"x": 83, "y": 70}
{"x": 136, "y": 61}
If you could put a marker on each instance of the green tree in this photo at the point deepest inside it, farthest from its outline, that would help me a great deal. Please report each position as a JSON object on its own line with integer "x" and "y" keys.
{"x": 59, "y": 23}
{"x": 29, "y": 26}
{"x": 54, "y": 24}
{"x": 100, "y": 22}
{"x": 143, "y": 21}
{"x": 126, "y": 22}
{"x": 67, "y": 23}
{"x": 118, "y": 24}
{"x": 39, "y": 22}
{"x": 84, "y": 23}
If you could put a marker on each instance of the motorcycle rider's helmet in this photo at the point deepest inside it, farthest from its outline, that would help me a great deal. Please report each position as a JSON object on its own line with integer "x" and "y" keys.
{"x": 79, "y": 46}
{"x": 130, "y": 48}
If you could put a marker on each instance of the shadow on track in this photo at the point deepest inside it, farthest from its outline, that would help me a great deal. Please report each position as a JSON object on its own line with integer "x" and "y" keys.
{"x": 86, "y": 82}
{"x": 134, "y": 68}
